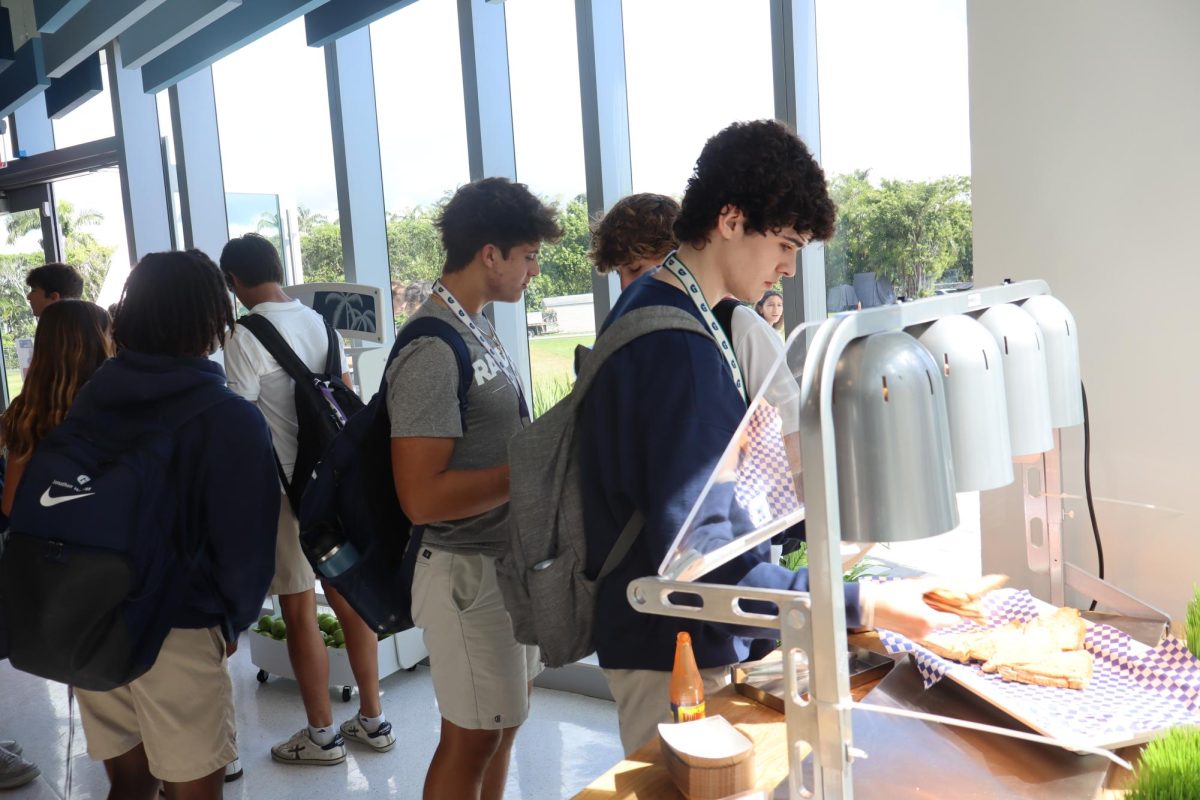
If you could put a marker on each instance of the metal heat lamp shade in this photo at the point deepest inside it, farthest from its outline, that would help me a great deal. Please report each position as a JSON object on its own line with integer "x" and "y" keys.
{"x": 1062, "y": 358}
{"x": 1025, "y": 386}
{"x": 895, "y": 470}
{"x": 969, "y": 364}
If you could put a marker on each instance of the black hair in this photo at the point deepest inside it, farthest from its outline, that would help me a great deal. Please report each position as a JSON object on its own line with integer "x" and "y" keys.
{"x": 764, "y": 170}
{"x": 56, "y": 277}
{"x": 493, "y": 211}
{"x": 174, "y": 304}
{"x": 253, "y": 259}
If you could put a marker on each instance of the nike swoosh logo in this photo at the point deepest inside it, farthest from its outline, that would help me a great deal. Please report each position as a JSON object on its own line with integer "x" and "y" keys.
{"x": 49, "y": 502}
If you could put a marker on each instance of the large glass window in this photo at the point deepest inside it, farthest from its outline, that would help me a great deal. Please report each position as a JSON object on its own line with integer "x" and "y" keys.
{"x": 543, "y": 67}
{"x": 422, "y": 139}
{"x": 277, "y": 151}
{"x": 895, "y": 145}
{"x": 692, "y": 67}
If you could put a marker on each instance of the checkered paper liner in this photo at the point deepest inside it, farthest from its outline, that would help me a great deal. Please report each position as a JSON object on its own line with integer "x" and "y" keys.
{"x": 1135, "y": 690}
{"x": 764, "y": 478}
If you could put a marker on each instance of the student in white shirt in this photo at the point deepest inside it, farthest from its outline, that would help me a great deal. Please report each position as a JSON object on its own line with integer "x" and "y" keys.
{"x": 253, "y": 271}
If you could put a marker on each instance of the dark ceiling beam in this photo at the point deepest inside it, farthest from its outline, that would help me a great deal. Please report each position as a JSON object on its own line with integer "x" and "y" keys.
{"x": 94, "y": 26}
{"x": 337, "y": 18}
{"x": 168, "y": 25}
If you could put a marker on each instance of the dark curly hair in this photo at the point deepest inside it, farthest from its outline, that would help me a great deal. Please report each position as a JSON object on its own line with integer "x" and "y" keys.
{"x": 493, "y": 211}
{"x": 763, "y": 169}
{"x": 636, "y": 227}
{"x": 174, "y": 304}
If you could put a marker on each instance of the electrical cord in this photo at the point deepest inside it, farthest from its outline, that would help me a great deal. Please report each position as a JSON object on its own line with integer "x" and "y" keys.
{"x": 1087, "y": 487}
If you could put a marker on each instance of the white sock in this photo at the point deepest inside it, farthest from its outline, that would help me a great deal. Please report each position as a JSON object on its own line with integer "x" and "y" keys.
{"x": 370, "y": 724}
{"x": 322, "y": 736}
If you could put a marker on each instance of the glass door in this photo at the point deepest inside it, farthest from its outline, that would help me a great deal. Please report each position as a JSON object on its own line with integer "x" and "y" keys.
{"x": 25, "y": 221}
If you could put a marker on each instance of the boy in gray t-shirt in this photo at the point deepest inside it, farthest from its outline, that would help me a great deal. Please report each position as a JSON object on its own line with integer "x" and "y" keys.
{"x": 455, "y": 483}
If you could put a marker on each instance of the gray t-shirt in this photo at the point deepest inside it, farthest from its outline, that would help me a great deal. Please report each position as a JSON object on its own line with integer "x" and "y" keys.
{"x": 423, "y": 402}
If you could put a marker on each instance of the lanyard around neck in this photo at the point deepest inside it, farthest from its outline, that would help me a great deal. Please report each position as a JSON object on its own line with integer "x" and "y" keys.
{"x": 491, "y": 345}
{"x": 692, "y": 288}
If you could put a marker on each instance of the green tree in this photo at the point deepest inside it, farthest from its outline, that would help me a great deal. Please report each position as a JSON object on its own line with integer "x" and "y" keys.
{"x": 306, "y": 219}
{"x": 919, "y": 229}
{"x": 83, "y": 252}
{"x": 566, "y": 268}
{"x": 910, "y": 232}
{"x": 321, "y": 252}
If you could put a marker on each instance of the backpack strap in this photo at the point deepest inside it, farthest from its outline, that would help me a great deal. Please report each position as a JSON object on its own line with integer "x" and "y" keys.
{"x": 333, "y": 366}
{"x": 280, "y": 350}
{"x": 438, "y": 329}
{"x": 723, "y": 311}
{"x": 630, "y": 326}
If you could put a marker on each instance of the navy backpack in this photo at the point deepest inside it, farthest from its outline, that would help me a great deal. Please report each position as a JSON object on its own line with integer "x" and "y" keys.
{"x": 92, "y": 570}
{"x": 352, "y": 528}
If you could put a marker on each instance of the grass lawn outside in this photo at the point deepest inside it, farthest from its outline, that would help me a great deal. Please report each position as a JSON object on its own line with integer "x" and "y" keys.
{"x": 552, "y": 364}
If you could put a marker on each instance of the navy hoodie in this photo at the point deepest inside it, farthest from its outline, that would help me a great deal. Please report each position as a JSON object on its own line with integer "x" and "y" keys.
{"x": 652, "y": 428}
{"x": 227, "y": 480}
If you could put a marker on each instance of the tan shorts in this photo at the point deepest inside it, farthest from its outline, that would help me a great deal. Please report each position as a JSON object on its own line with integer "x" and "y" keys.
{"x": 293, "y": 573}
{"x": 481, "y": 674}
{"x": 181, "y": 710}
{"x": 644, "y": 700}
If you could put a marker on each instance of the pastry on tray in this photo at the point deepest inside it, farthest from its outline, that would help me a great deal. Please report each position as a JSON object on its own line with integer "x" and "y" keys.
{"x": 1046, "y": 651}
{"x": 963, "y": 596}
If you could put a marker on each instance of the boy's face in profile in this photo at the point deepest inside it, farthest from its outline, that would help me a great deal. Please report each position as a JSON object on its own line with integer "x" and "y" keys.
{"x": 508, "y": 277}
{"x": 39, "y": 299}
{"x": 760, "y": 259}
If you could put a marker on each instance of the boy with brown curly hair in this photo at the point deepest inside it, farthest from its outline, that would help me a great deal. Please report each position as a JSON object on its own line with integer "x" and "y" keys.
{"x": 755, "y": 199}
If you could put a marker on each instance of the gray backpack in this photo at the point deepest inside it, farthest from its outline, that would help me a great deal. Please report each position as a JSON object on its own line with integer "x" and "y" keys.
{"x": 548, "y": 594}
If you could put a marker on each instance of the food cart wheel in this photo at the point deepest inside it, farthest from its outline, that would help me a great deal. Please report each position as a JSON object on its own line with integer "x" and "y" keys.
{"x": 413, "y": 668}
{"x": 262, "y": 676}
{"x": 345, "y": 694}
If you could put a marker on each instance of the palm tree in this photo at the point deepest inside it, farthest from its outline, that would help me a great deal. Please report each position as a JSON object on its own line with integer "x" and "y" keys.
{"x": 69, "y": 221}
{"x": 306, "y": 218}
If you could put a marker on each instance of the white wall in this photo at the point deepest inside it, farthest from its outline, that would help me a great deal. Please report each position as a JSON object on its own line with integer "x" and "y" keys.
{"x": 1085, "y": 146}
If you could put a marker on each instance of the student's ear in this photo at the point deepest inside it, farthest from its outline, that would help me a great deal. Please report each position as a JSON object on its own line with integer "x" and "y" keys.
{"x": 729, "y": 220}
{"x": 490, "y": 254}
{"x": 53, "y": 297}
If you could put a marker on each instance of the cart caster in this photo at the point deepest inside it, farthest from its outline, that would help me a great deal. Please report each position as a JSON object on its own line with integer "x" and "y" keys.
{"x": 413, "y": 668}
{"x": 345, "y": 694}
{"x": 262, "y": 676}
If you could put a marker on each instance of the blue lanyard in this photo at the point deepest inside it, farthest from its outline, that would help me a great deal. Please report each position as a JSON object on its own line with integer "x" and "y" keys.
{"x": 489, "y": 342}
{"x": 692, "y": 287}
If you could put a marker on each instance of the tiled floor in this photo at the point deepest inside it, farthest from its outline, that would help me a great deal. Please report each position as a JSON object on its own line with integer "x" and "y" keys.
{"x": 568, "y": 741}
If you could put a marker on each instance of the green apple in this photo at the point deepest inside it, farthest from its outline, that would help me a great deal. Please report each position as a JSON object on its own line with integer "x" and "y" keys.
{"x": 264, "y": 624}
{"x": 279, "y": 629}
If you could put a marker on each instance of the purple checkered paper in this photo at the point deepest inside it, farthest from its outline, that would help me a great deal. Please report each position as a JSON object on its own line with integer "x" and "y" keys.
{"x": 1135, "y": 690}
{"x": 764, "y": 477}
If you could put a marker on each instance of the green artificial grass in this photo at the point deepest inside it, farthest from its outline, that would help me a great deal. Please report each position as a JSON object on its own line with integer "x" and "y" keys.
{"x": 1192, "y": 626}
{"x": 1170, "y": 767}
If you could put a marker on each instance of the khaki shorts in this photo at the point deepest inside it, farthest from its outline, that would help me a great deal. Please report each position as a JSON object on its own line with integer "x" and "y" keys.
{"x": 481, "y": 674}
{"x": 644, "y": 700}
{"x": 181, "y": 710}
{"x": 293, "y": 573}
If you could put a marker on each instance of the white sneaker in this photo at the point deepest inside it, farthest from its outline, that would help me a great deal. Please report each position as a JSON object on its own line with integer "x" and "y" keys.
{"x": 381, "y": 740}
{"x": 301, "y": 749}
{"x": 15, "y": 771}
{"x": 233, "y": 771}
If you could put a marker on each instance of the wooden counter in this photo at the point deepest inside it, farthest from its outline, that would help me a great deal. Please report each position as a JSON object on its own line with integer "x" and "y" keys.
{"x": 643, "y": 776}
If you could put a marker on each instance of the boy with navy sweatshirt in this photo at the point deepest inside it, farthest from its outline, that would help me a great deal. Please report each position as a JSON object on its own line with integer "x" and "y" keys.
{"x": 663, "y": 409}
{"x": 175, "y": 723}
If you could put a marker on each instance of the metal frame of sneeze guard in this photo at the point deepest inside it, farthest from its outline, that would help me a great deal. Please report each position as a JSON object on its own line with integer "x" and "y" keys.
{"x": 815, "y": 632}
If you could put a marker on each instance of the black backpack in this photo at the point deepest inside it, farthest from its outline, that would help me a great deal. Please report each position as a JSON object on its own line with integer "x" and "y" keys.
{"x": 352, "y": 529}
{"x": 93, "y": 568}
{"x": 323, "y": 402}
